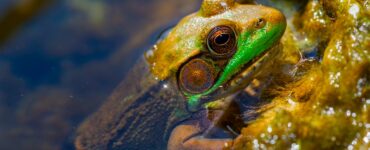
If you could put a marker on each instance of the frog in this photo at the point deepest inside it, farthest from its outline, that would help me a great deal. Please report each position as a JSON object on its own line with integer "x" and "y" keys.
{"x": 182, "y": 91}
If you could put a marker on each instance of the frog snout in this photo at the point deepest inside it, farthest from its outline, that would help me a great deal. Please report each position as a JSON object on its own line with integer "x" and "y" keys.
{"x": 274, "y": 16}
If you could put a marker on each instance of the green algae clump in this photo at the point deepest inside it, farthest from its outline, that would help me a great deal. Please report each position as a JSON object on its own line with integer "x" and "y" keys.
{"x": 326, "y": 102}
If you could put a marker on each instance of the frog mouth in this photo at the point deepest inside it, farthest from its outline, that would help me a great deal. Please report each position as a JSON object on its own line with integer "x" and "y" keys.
{"x": 248, "y": 72}
{"x": 252, "y": 68}
{"x": 239, "y": 81}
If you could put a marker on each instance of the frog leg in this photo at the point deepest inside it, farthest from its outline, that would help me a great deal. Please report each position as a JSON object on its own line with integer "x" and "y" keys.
{"x": 213, "y": 128}
{"x": 186, "y": 137}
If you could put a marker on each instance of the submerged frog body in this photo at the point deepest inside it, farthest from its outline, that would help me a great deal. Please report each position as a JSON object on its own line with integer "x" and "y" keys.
{"x": 184, "y": 87}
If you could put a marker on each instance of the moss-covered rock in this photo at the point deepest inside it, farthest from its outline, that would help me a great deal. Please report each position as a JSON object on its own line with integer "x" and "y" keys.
{"x": 326, "y": 103}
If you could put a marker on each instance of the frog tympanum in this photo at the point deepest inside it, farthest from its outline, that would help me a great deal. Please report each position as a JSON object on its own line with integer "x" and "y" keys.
{"x": 181, "y": 91}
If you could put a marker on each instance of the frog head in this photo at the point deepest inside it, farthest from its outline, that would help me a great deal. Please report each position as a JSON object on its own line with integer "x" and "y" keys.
{"x": 209, "y": 51}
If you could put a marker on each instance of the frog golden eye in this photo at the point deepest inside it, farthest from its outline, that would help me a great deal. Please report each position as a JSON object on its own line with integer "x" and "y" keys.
{"x": 221, "y": 41}
{"x": 196, "y": 76}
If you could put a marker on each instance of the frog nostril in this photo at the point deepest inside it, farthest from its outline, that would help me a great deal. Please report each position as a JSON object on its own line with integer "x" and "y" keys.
{"x": 260, "y": 23}
{"x": 196, "y": 76}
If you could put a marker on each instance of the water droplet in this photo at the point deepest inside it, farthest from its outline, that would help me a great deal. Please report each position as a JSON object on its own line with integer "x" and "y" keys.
{"x": 354, "y": 142}
{"x": 348, "y": 113}
{"x": 269, "y": 129}
{"x": 294, "y": 146}
{"x": 350, "y": 147}
{"x": 255, "y": 144}
{"x": 333, "y": 138}
{"x": 366, "y": 138}
{"x": 354, "y": 10}
{"x": 275, "y": 137}
{"x": 226, "y": 144}
{"x": 291, "y": 102}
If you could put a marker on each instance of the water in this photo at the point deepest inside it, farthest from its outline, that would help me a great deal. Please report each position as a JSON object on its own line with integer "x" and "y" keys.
{"x": 58, "y": 63}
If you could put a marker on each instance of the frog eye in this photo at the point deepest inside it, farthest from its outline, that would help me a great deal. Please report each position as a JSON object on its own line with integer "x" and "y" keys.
{"x": 196, "y": 76}
{"x": 221, "y": 41}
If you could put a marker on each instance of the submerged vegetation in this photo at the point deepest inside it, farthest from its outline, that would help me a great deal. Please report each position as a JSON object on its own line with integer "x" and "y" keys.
{"x": 322, "y": 98}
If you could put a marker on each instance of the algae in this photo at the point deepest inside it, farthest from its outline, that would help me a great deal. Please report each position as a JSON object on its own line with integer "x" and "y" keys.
{"x": 320, "y": 94}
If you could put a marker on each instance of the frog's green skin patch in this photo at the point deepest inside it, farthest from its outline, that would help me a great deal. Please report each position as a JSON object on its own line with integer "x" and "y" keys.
{"x": 250, "y": 45}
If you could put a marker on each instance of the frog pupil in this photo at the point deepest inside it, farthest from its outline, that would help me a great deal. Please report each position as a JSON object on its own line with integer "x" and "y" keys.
{"x": 222, "y": 39}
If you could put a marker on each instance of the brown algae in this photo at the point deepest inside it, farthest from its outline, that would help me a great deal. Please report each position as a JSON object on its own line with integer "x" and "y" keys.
{"x": 326, "y": 103}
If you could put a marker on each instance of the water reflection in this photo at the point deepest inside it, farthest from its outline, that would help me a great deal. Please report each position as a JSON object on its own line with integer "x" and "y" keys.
{"x": 60, "y": 60}
{"x": 17, "y": 15}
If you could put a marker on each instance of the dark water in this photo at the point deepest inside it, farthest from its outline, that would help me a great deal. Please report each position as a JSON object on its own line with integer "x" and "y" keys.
{"x": 59, "y": 60}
